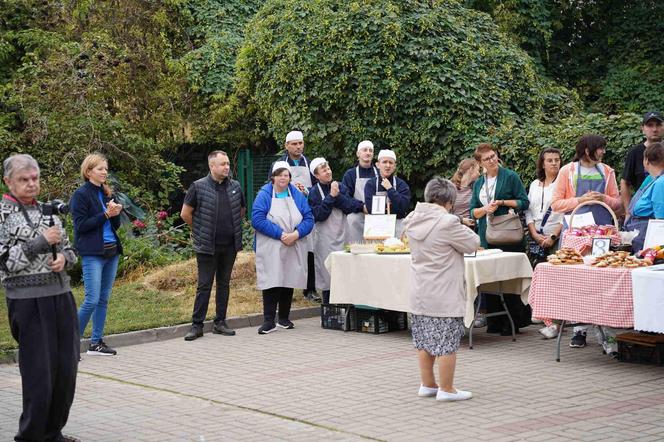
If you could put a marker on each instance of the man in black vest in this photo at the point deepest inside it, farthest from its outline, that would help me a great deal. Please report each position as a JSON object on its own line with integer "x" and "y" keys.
{"x": 214, "y": 207}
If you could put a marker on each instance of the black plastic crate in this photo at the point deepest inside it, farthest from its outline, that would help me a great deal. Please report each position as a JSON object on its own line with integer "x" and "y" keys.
{"x": 337, "y": 317}
{"x": 641, "y": 348}
{"x": 378, "y": 321}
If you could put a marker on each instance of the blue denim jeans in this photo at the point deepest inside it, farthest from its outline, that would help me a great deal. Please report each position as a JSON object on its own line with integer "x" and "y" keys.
{"x": 98, "y": 278}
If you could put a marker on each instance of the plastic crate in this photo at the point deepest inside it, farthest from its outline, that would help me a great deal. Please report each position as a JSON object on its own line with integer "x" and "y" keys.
{"x": 378, "y": 321}
{"x": 641, "y": 348}
{"x": 337, "y": 317}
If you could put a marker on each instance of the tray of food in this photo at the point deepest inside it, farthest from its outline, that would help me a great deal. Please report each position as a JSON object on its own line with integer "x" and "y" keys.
{"x": 620, "y": 259}
{"x": 565, "y": 257}
{"x": 392, "y": 246}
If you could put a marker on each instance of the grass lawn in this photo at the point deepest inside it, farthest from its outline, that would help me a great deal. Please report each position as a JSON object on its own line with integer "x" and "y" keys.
{"x": 164, "y": 297}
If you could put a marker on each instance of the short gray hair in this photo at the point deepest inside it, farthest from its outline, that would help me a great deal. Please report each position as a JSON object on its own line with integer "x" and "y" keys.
{"x": 19, "y": 161}
{"x": 440, "y": 191}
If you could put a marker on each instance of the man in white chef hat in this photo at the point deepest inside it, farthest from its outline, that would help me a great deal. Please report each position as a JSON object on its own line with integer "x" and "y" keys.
{"x": 389, "y": 185}
{"x": 355, "y": 179}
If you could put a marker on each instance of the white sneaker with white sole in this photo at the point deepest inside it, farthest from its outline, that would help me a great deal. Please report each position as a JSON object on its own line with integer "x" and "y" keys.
{"x": 460, "y": 395}
{"x": 427, "y": 391}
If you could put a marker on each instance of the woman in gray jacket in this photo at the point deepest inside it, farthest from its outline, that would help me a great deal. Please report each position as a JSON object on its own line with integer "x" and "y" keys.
{"x": 437, "y": 242}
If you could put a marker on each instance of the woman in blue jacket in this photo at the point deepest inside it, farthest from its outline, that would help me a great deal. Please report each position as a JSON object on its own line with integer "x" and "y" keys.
{"x": 96, "y": 219}
{"x": 282, "y": 218}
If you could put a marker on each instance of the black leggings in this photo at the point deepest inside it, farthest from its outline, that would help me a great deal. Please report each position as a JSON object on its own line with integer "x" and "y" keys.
{"x": 277, "y": 296}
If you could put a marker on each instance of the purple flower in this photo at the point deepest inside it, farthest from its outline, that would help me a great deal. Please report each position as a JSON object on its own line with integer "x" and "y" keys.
{"x": 138, "y": 224}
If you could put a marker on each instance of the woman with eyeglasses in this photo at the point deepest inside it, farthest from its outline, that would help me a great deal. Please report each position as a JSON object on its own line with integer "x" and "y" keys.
{"x": 494, "y": 193}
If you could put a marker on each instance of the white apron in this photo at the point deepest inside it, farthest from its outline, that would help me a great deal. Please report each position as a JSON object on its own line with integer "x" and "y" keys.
{"x": 329, "y": 238}
{"x": 279, "y": 265}
{"x": 355, "y": 221}
{"x": 301, "y": 174}
{"x": 398, "y": 229}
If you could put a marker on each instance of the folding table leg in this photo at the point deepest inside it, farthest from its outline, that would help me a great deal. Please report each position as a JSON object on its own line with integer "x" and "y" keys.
{"x": 472, "y": 326}
{"x": 502, "y": 300}
{"x": 560, "y": 335}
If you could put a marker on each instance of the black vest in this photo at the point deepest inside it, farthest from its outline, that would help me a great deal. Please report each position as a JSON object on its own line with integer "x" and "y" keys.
{"x": 204, "y": 223}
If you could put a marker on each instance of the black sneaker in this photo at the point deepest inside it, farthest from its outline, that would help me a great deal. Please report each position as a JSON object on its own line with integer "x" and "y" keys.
{"x": 578, "y": 340}
{"x": 285, "y": 323}
{"x": 194, "y": 332}
{"x": 267, "y": 327}
{"x": 101, "y": 349}
{"x": 221, "y": 328}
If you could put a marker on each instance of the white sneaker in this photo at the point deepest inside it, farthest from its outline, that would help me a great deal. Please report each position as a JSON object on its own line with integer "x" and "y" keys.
{"x": 427, "y": 391}
{"x": 460, "y": 395}
{"x": 536, "y": 320}
{"x": 549, "y": 332}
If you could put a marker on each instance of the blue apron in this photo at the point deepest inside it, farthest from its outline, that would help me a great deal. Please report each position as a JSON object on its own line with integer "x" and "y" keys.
{"x": 639, "y": 223}
{"x": 601, "y": 215}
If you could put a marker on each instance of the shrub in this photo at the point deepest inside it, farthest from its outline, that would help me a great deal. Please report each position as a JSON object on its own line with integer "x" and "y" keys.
{"x": 421, "y": 77}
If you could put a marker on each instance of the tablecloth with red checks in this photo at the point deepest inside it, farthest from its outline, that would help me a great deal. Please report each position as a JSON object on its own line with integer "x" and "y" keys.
{"x": 581, "y": 293}
{"x": 583, "y": 243}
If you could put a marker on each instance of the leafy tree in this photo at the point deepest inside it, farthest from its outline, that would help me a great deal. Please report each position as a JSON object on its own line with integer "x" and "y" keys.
{"x": 421, "y": 77}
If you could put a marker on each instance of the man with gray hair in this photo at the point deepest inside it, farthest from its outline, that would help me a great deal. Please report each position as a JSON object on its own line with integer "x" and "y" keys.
{"x": 34, "y": 251}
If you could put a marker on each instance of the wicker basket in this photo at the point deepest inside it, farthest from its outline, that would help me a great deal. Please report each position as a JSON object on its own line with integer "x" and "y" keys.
{"x": 583, "y": 244}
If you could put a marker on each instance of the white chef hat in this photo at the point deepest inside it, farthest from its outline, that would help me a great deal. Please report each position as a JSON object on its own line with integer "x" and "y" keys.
{"x": 294, "y": 135}
{"x": 315, "y": 163}
{"x": 365, "y": 143}
{"x": 280, "y": 165}
{"x": 387, "y": 153}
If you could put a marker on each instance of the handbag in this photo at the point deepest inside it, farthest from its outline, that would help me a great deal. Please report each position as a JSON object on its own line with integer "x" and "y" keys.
{"x": 505, "y": 229}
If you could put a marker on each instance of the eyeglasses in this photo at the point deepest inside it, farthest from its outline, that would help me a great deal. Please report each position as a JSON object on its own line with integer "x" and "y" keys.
{"x": 489, "y": 158}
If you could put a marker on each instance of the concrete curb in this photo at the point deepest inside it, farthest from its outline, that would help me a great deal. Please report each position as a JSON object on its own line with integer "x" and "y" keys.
{"x": 178, "y": 331}
{"x": 172, "y": 332}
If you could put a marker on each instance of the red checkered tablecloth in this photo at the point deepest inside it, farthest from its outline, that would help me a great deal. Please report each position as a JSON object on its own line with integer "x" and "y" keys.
{"x": 583, "y": 243}
{"x": 580, "y": 293}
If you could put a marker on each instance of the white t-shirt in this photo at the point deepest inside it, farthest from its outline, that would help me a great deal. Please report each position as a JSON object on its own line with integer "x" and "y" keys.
{"x": 490, "y": 186}
{"x": 540, "y": 200}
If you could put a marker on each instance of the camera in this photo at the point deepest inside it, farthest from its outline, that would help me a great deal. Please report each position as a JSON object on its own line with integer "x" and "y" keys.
{"x": 55, "y": 207}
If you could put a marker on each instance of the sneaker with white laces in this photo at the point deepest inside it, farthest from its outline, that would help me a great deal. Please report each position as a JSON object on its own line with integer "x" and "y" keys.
{"x": 460, "y": 395}
{"x": 427, "y": 391}
{"x": 267, "y": 327}
{"x": 285, "y": 323}
{"x": 101, "y": 349}
{"x": 549, "y": 332}
{"x": 578, "y": 340}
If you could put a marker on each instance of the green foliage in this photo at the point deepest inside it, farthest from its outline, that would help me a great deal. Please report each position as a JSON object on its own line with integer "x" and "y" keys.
{"x": 247, "y": 235}
{"x": 420, "y": 77}
{"x": 609, "y": 50}
{"x": 520, "y": 145}
{"x": 97, "y": 77}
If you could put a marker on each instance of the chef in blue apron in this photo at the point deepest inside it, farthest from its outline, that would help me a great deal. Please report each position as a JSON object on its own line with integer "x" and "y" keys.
{"x": 648, "y": 202}
{"x": 355, "y": 179}
{"x": 330, "y": 203}
{"x": 282, "y": 219}
{"x": 388, "y": 184}
{"x": 303, "y": 179}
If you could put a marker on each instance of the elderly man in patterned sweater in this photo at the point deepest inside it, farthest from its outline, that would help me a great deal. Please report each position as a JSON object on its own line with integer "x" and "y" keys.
{"x": 42, "y": 310}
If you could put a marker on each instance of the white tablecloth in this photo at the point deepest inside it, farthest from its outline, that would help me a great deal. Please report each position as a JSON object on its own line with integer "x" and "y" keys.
{"x": 383, "y": 281}
{"x": 648, "y": 298}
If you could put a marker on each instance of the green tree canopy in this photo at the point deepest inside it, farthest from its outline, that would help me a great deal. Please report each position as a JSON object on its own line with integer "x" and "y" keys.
{"x": 421, "y": 77}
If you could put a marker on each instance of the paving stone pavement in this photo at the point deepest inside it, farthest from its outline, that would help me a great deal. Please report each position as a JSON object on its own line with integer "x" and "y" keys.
{"x": 314, "y": 384}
